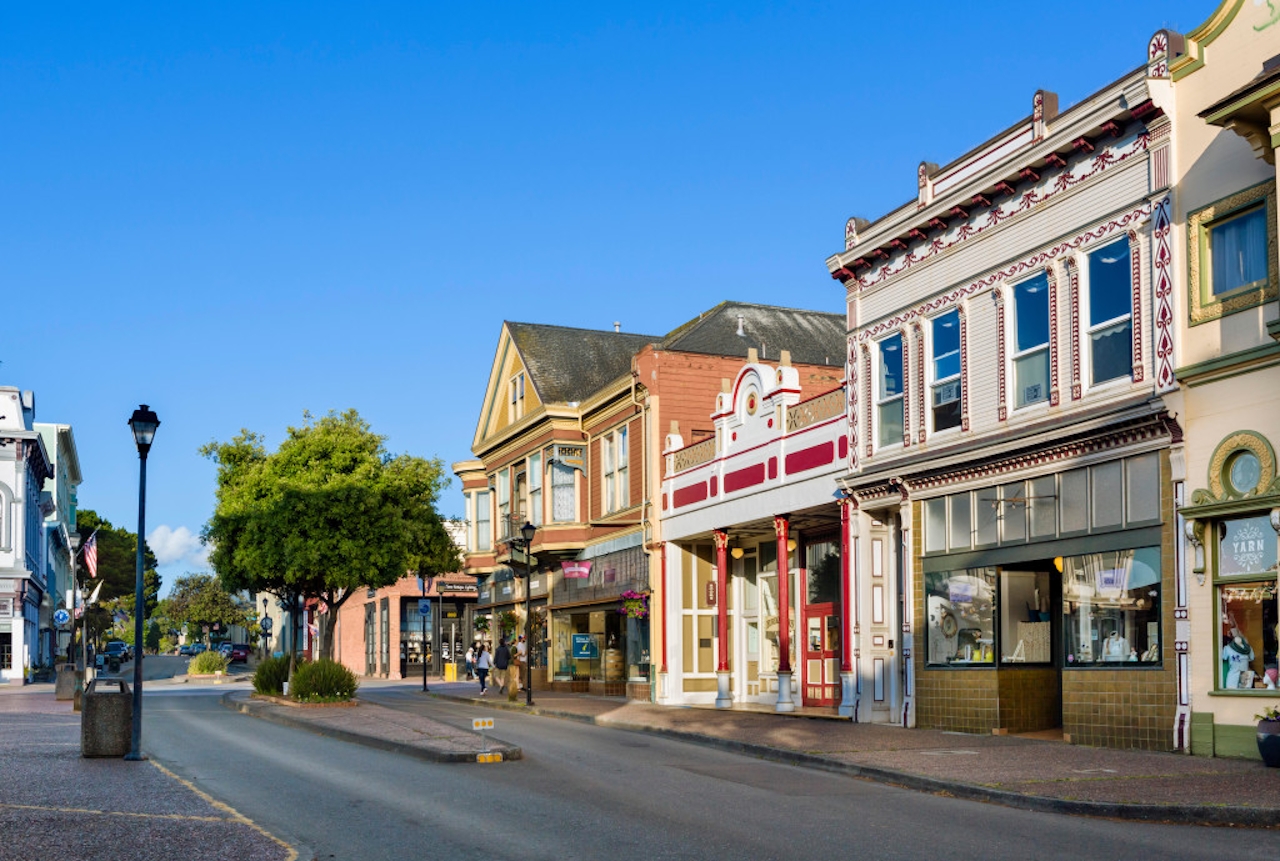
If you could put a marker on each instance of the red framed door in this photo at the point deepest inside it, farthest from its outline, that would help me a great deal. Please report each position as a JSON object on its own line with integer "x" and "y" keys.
{"x": 821, "y": 684}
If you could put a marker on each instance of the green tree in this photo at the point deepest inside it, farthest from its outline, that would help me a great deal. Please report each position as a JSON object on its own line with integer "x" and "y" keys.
{"x": 198, "y": 600}
{"x": 117, "y": 570}
{"x": 329, "y": 512}
{"x": 151, "y": 638}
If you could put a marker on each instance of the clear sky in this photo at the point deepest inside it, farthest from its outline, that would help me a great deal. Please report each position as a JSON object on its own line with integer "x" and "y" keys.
{"x": 238, "y": 212}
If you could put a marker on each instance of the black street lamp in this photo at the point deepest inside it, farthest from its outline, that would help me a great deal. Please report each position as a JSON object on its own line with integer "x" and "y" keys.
{"x": 144, "y": 423}
{"x": 525, "y": 542}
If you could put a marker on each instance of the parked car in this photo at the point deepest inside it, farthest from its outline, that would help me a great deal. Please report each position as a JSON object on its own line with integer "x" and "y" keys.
{"x": 186, "y": 649}
{"x": 224, "y": 649}
{"x": 197, "y": 648}
{"x": 113, "y": 654}
{"x": 239, "y": 653}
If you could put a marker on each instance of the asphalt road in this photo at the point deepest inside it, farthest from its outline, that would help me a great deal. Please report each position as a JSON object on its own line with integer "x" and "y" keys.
{"x": 584, "y": 792}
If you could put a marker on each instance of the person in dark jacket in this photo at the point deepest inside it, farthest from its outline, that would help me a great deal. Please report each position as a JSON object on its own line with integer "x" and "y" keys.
{"x": 501, "y": 661}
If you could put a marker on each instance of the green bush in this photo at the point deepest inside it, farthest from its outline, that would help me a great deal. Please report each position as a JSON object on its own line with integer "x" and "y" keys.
{"x": 271, "y": 675}
{"x": 207, "y": 663}
{"x": 323, "y": 681}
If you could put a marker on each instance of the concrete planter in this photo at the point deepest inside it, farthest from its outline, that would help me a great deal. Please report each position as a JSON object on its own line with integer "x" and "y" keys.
{"x": 1269, "y": 742}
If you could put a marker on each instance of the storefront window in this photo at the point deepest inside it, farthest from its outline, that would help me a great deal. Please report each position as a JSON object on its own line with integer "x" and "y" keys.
{"x": 1025, "y": 628}
{"x": 590, "y": 645}
{"x": 822, "y": 558}
{"x": 1247, "y": 602}
{"x": 1111, "y": 607}
{"x": 960, "y": 606}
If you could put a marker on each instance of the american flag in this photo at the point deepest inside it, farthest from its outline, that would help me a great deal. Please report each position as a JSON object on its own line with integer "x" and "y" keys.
{"x": 91, "y": 554}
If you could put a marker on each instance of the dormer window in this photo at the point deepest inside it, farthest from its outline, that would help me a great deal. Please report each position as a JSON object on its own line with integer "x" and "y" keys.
{"x": 516, "y": 394}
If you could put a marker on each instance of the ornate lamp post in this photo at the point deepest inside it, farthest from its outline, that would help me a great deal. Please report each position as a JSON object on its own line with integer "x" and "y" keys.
{"x": 144, "y": 423}
{"x": 525, "y": 542}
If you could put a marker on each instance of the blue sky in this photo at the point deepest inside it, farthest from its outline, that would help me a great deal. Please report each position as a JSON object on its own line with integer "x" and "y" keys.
{"x": 235, "y": 213}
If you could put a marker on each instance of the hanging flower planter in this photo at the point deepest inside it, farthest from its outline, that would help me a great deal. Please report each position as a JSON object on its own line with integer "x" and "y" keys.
{"x": 481, "y": 624}
{"x": 634, "y": 604}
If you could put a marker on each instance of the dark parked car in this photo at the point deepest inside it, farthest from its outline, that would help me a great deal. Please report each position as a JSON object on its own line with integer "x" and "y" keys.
{"x": 186, "y": 650}
{"x": 113, "y": 654}
{"x": 239, "y": 653}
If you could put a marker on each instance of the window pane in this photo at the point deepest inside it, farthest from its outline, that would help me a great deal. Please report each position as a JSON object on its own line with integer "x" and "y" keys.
{"x": 484, "y": 535}
{"x": 1031, "y": 378}
{"x": 1107, "y": 497}
{"x": 1044, "y": 507}
{"x": 946, "y": 345}
{"x": 1246, "y": 545}
{"x": 1013, "y": 514}
{"x": 935, "y": 525}
{"x": 563, "y": 501}
{"x": 1026, "y": 635}
{"x": 1238, "y": 249}
{"x": 891, "y": 367}
{"x": 946, "y": 405}
{"x": 1111, "y": 604}
{"x": 1248, "y": 631}
{"x": 1142, "y": 488}
{"x": 1073, "y": 492}
{"x": 1109, "y": 283}
{"x": 1110, "y": 351}
{"x": 891, "y": 422}
{"x": 960, "y": 614}
{"x": 1031, "y": 306}
{"x": 986, "y": 516}
{"x": 822, "y": 560}
{"x": 961, "y": 522}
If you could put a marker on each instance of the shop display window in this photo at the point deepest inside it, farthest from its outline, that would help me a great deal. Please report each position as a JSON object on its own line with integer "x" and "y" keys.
{"x": 1025, "y": 628}
{"x": 590, "y": 645}
{"x": 1111, "y": 608}
{"x": 1248, "y": 604}
{"x": 961, "y": 617}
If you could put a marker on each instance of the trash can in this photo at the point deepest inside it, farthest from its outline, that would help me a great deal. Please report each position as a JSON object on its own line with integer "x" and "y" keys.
{"x": 65, "y": 685}
{"x": 106, "y": 719}
{"x": 451, "y": 672}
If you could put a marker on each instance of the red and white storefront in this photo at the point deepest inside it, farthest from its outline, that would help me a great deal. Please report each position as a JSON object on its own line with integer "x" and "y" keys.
{"x": 763, "y": 489}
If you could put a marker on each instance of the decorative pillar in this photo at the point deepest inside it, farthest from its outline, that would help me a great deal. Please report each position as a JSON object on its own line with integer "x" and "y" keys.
{"x": 664, "y": 608}
{"x": 781, "y": 526}
{"x": 724, "y": 698}
{"x": 848, "y": 609}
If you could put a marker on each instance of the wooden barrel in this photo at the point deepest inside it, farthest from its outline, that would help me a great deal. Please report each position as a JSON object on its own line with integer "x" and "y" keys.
{"x": 613, "y": 665}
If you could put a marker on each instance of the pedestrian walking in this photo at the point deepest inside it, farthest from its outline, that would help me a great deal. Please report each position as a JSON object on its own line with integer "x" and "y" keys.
{"x": 502, "y": 663}
{"x": 471, "y": 662}
{"x": 522, "y": 655}
{"x": 484, "y": 663}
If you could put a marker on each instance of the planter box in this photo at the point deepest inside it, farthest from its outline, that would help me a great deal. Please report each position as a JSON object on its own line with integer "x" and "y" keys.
{"x": 285, "y": 701}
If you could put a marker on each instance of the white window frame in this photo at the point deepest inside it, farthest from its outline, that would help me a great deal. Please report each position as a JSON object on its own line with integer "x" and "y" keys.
{"x": 936, "y": 382}
{"x": 503, "y": 496}
{"x": 515, "y": 388}
{"x": 561, "y": 490}
{"x": 1019, "y": 356}
{"x": 483, "y": 538}
{"x": 883, "y": 401}
{"x": 1096, "y": 328}
{"x": 535, "y": 489}
{"x": 616, "y": 494}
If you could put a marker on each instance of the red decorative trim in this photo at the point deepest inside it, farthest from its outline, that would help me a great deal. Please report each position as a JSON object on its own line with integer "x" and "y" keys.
{"x": 773, "y": 468}
{"x": 906, "y": 387}
{"x": 921, "y": 376}
{"x": 1083, "y": 144}
{"x": 898, "y": 244}
{"x": 748, "y": 476}
{"x": 917, "y": 234}
{"x": 1113, "y": 128}
{"x": 1161, "y": 233}
{"x": 851, "y": 401}
{"x": 1052, "y": 276}
{"x": 1002, "y": 411}
{"x": 938, "y": 223}
{"x": 957, "y": 211}
{"x": 964, "y": 367}
{"x": 715, "y": 485}
{"x": 1135, "y": 283}
{"x": 866, "y": 389}
{"x": 844, "y": 275}
{"x": 842, "y": 449}
{"x": 689, "y": 494}
{"x": 781, "y": 526}
{"x": 1073, "y": 282}
{"x": 980, "y": 200}
{"x": 1029, "y": 173}
{"x": 1056, "y": 160}
{"x": 1005, "y": 188}
{"x": 812, "y": 457}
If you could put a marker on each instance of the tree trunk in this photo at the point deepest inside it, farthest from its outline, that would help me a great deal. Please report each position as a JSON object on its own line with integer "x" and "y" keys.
{"x": 324, "y": 635}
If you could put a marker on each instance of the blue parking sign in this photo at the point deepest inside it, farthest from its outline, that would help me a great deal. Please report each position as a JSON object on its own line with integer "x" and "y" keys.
{"x": 424, "y": 606}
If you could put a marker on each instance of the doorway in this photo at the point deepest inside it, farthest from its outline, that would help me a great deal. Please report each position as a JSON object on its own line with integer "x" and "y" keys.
{"x": 820, "y": 685}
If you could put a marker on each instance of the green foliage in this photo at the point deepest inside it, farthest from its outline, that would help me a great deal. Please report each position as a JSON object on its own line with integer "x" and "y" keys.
{"x": 323, "y": 681}
{"x": 271, "y": 675}
{"x": 151, "y": 637}
{"x": 331, "y": 511}
{"x": 198, "y": 600}
{"x": 117, "y": 569}
{"x": 207, "y": 663}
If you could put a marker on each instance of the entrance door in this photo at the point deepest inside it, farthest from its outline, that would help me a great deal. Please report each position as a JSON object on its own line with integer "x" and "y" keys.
{"x": 821, "y": 650}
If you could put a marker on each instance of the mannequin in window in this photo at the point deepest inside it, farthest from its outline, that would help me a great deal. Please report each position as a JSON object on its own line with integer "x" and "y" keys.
{"x": 1115, "y": 647}
{"x": 1236, "y": 655}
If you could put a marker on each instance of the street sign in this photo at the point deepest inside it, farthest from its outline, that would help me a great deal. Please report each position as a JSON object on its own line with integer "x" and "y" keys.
{"x": 61, "y": 617}
{"x": 482, "y": 723}
{"x": 424, "y": 606}
{"x": 265, "y": 624}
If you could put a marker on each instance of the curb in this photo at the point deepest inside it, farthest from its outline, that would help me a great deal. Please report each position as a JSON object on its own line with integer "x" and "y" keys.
{"x": 263, "y": 711}
{"x": 1179, "y": 814}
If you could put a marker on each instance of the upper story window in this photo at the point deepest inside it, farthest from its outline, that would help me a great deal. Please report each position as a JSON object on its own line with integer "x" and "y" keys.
{"x": 1238, "y": 251}
{"x": 504, "y": 503}
{"x": 889, "y": 400}
{"x": 535, "y": 489}
{"x": 516, "y": 394}
{"x": 1110, "y": 313}
{"x": 944, "y": 366}
{"x": 564, "y": 496}
{"x": 484, "y": 530}
{"x": 1233, "y": 254}
{"x": 614, "y": 462}
{"x": 1031, "y": 340}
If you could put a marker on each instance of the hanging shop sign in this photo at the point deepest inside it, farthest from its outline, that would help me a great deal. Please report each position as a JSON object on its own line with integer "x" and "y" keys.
{"x": 575, "y": 569}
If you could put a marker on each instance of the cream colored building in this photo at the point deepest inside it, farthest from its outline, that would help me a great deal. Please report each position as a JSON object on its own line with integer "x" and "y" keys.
{"x": 1220, "y": 85}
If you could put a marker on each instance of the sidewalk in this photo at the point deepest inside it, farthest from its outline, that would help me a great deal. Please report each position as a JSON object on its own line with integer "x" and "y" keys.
{"x": 1017, "y": 772}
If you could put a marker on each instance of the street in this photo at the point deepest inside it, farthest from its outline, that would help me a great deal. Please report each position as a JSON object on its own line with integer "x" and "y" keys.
{"x": 590, "y": 792}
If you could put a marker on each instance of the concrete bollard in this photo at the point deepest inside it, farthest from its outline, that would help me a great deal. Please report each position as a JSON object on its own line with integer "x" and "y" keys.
{"x": 106, "y": 720}
{"x": 64, "y": 687}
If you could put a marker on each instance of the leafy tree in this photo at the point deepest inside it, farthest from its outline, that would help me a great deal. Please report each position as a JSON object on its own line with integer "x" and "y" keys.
{"x": 151, "y": 638}
{"x": 329, "y": 512}
{"x": 117, "y": 570}
{"x": 197, "y": 600}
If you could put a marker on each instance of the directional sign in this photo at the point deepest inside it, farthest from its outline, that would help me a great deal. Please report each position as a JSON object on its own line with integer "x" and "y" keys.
{"x": 61, "y": 617}
{"x": 482, "y": 723}
{"x": 265, "y": 624}
{"x": 424, "y": 606}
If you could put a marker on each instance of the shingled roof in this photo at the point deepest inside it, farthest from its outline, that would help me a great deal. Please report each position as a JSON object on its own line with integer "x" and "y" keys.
{"x": 813, "y": 337}
{"x": 569, "y": 365}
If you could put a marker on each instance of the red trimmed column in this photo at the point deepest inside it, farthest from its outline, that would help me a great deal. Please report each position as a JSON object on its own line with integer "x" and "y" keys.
{"x": 846, "y": 603}
{"x": 666, "y": 602}
{"x": 781, "y": 526}
{"x": 722, "y": 594}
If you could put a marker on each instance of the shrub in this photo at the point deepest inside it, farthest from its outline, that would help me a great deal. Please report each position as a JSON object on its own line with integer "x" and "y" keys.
{"x": 207, "y": 663}
{"x": 323, "y": 681}
{"x": 271, "y": 675}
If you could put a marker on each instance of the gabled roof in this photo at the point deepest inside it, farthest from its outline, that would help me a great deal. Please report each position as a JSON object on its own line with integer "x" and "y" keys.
{"x": 813, "y": 337}
{"x": 568, "y": 365}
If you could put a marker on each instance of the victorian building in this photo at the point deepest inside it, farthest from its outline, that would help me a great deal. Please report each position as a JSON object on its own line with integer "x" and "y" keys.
{"x": 59, "y": 527}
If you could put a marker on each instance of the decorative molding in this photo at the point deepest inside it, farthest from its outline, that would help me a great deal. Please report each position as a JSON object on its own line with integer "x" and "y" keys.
{"x": 1220, "y": 489}
{"x": 806, "y": 413}
{"x": 963, "y": 313}
{"x": 1029, "y": 200}
{"x": 1135, "y": 300}
{"x": 1073, "y": 288}
{"x": 920, "y": 382}
{"x": 866, "y": 390}
{"x": 694, "y": 455}
{"x": 1051, "y": 275}
{"x": 1002, "y": 374}
{"x": 1205, "y": 308}
{"x": 1162, "y": 234}
{"x": 905, "y": 335}
{"x": 851, "y": 399}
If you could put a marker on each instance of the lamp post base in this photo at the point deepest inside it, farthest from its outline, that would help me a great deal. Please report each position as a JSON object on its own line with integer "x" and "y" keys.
{"x": 785, "y": 703}
{"x": 723, "y": 699}
{"x": 135, "y": 757}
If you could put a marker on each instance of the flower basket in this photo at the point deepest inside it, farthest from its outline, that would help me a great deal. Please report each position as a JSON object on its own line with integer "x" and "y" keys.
{"x": 634, "y": 605}
{"x": 507, "y": 622}
{"x": 481, "y": 624}
{"x": 1269, "y": 736}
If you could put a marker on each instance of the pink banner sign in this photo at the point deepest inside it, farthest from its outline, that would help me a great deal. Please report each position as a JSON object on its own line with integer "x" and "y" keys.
{"x": 580, "y": 570}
